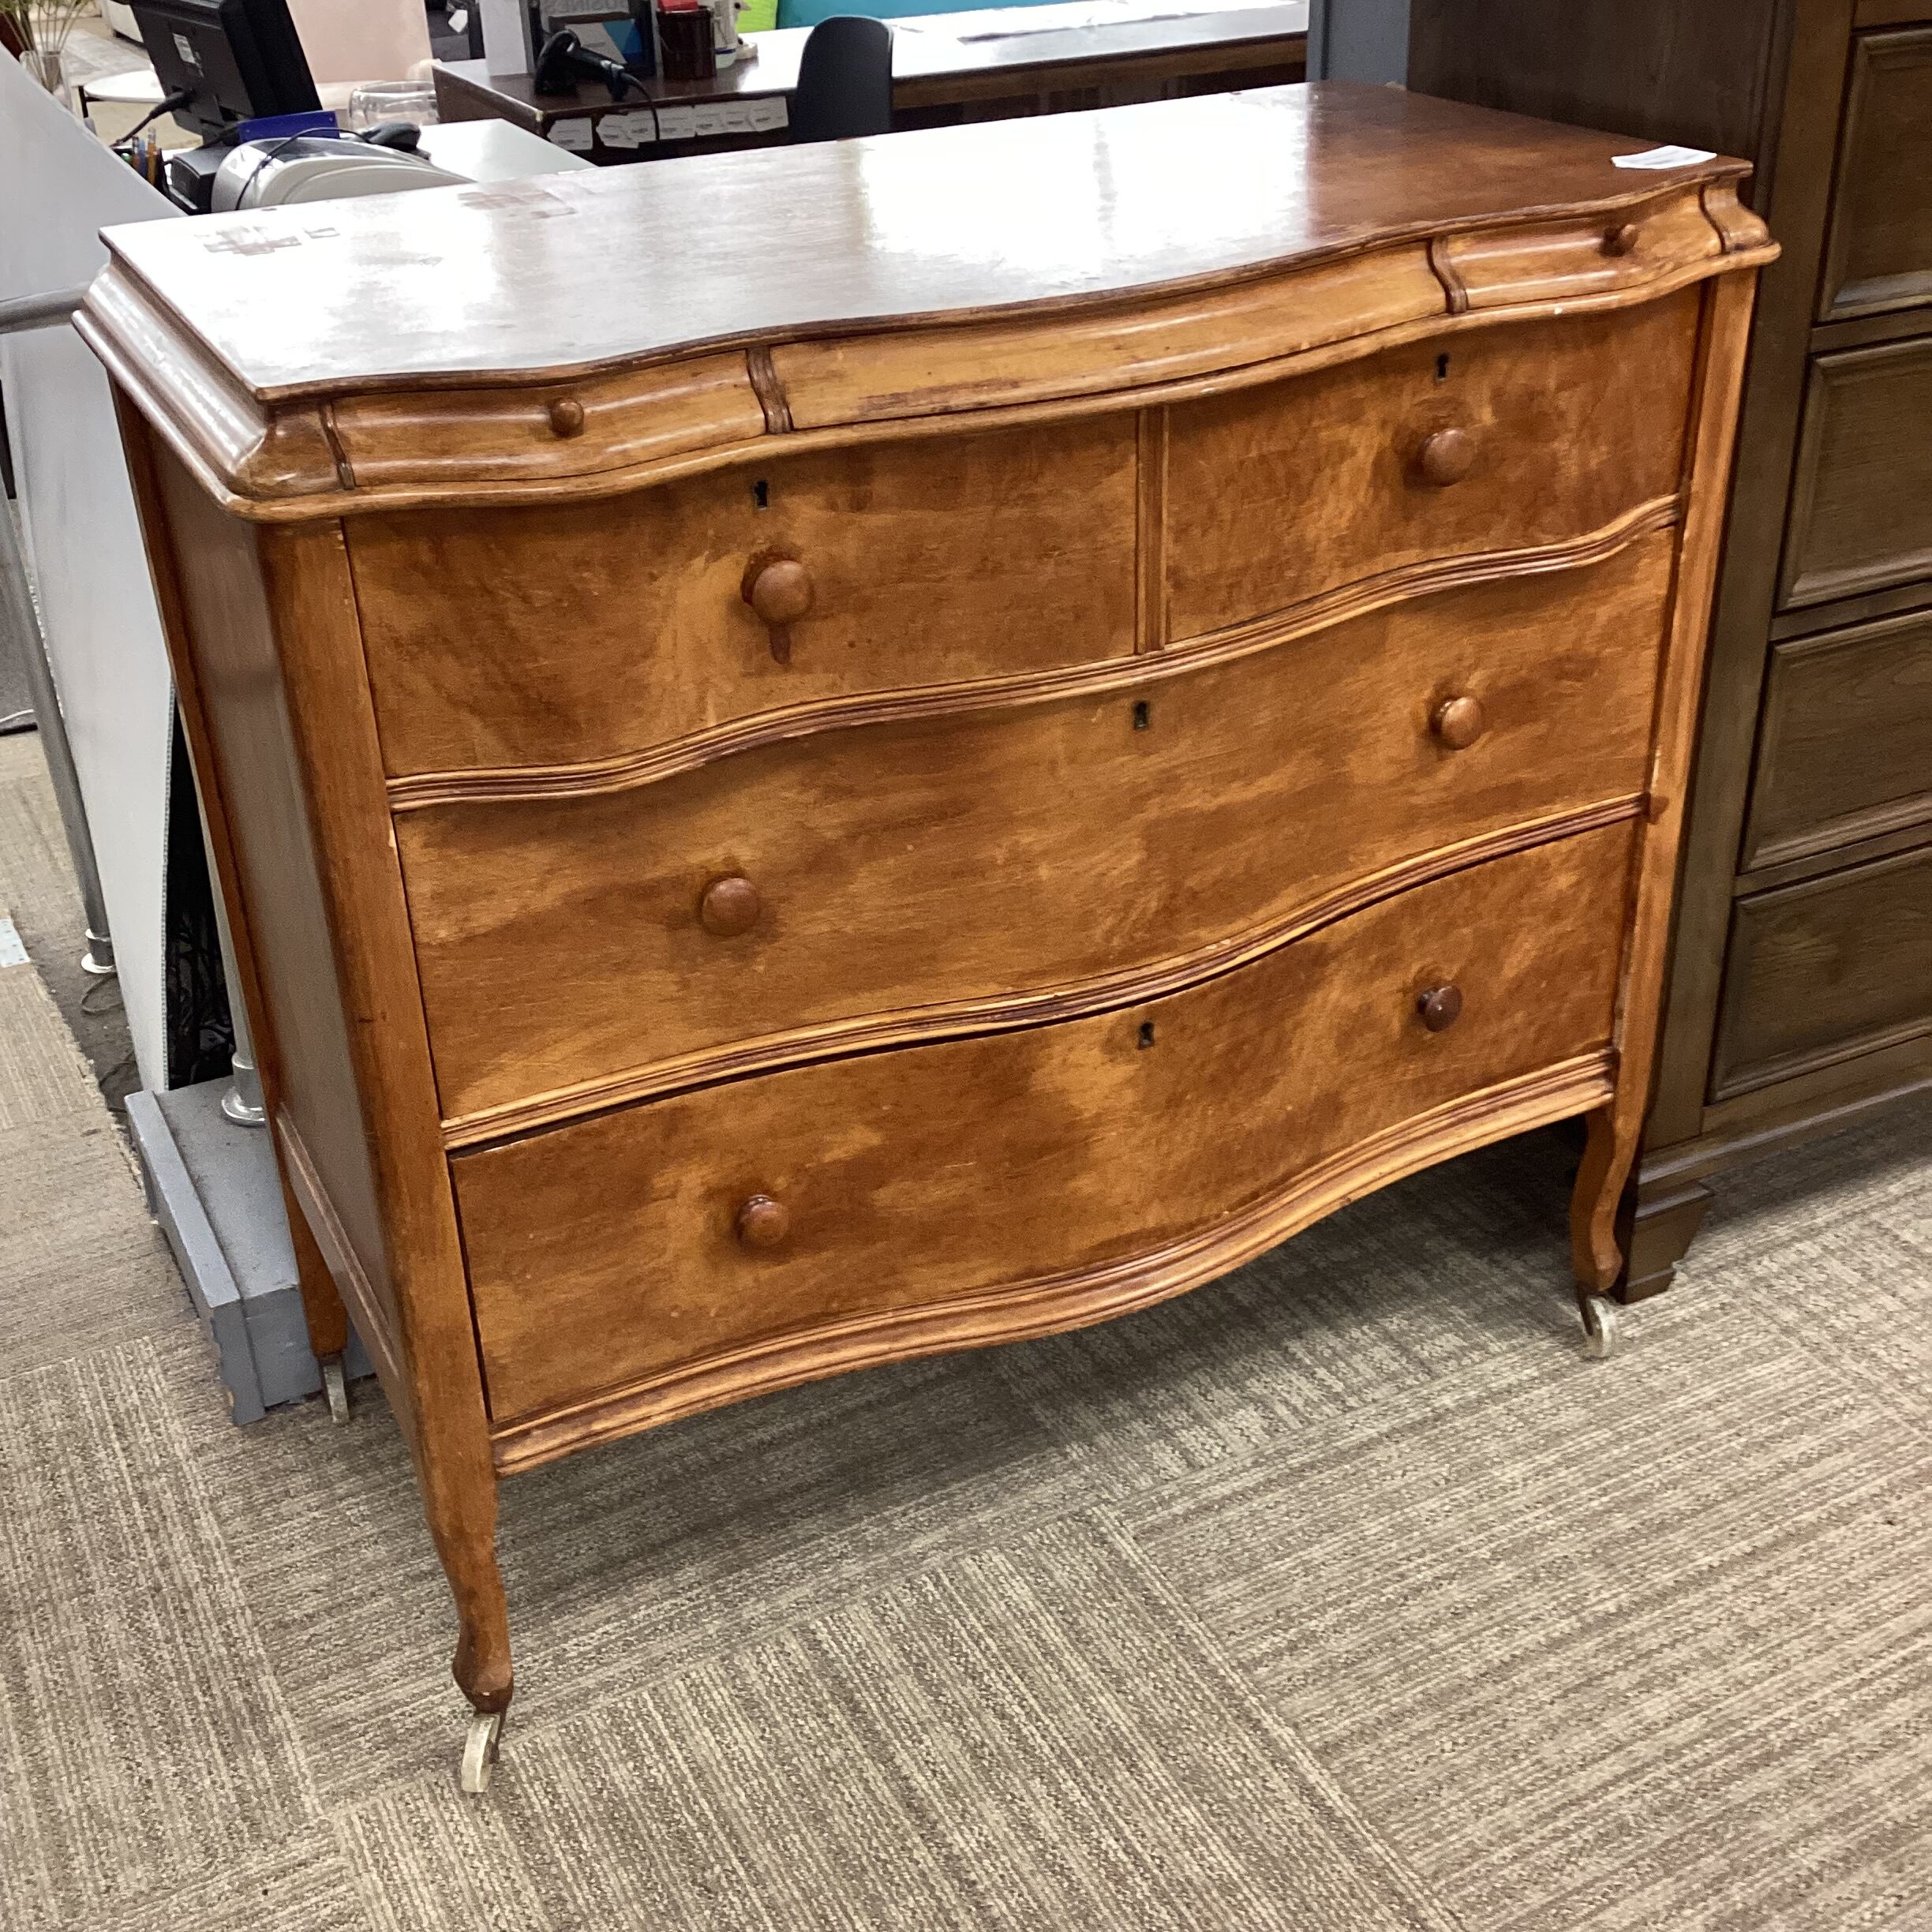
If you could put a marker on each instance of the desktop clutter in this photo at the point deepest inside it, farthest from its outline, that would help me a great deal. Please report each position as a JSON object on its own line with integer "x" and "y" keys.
{"x": 233, "y": 73}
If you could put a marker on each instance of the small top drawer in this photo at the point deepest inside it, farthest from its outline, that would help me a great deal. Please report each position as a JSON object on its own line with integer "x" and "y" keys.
{"x": 1878, "y": 254}
{"x": 559, "y": 635}
{"x": 1520, "y": 436}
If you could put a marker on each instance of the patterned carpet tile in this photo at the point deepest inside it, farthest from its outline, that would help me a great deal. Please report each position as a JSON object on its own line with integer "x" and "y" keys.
{"x": 623, "y": 1565}
{"x": 1463, "y": 1272}
{"x": 41, "y": 1074}
{"x": 1023, "y": 1737}
{"x": 143, "y": 1736}
{"x": 81, "y": 1265}
{"x": 1544, "y": 1633}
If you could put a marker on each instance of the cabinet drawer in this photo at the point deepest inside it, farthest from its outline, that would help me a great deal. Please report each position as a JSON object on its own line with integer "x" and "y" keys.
{"x": 641, "y": 1242}
{"x": 1536, "y": 433}
{"x": 1845, "y": 750}
{"x": 557, "y": 635}
{"x": 1861, "y": 514}
{"x": 861, "y": 881}
{"x": 1819, "y": 972}
{"x": 1878, "y": 255}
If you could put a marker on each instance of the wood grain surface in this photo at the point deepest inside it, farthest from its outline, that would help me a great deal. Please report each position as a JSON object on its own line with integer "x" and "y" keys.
{"x": 1274, "y": 494}
{"x": 1845, "y": 749}
{"x": 1878, "y": 254}
{"x": 512, "y": 638}
{"x": 1826, "y": 971}
{"x": 735, "y": 248}
{"x": 608, "y": 1252}
{"x": 565, "y": 957}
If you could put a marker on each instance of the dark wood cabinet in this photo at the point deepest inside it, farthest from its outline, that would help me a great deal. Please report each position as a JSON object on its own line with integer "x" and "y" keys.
{"x": 1800, "y": 989}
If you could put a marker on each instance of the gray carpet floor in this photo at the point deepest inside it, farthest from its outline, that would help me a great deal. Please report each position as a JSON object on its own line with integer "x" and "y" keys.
{"x": 1343, "y": 1593}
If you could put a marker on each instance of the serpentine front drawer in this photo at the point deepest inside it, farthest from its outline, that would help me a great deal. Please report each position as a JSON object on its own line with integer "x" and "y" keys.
{"x": 807, "y": 896}
{"x": 730, "y": 1233}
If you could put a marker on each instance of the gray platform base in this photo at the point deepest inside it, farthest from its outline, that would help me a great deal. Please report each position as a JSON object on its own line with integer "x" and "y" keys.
{"x": 211, "y": 1186}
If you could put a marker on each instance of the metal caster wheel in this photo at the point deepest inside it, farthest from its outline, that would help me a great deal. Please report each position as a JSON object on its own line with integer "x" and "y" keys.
{"x": 335, "y": 1385}
{"x": 480, "y": 1749}
{"x": 1602, "y": 1335}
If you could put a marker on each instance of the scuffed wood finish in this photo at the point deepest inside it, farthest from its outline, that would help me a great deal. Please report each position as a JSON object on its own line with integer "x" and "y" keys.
{"x": 1102, "y": 842}
{"x": 586, "y": 631}
{"x": 1275, "y": 494}
{"x": 607, "y": 1253}
{"x": 855, "y": 766}
{"x": 1063, "y": 279}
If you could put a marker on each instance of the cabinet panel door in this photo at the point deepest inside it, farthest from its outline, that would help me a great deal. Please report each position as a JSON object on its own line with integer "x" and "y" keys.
{"x": 1879, "y": 255}
{"x": 1861, "y": 514}
{"x": 1821, "y": 971}
{"x": 1845, "y": 751}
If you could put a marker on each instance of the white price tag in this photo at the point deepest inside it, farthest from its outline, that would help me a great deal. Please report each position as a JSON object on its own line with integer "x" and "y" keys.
{"x": 763, "y": 116}
{"x": 677, "y": 123}
{"x": 634, "y": 129}
{"x": 573, "y": 136}
{"x": 709, "y": 120}
{"x": 1664, "y": 158}
{"x": 736, "y": 116}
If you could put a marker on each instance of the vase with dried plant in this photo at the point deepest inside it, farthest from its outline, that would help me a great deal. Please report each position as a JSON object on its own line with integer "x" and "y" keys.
{"x": 38, "y": 29}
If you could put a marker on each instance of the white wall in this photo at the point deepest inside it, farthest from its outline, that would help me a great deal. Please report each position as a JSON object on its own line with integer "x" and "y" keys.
{"x": 59, "y": 186}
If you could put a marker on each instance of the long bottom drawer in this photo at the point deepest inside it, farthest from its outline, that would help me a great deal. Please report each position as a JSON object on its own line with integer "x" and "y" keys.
{"x": 752, "y": 1220}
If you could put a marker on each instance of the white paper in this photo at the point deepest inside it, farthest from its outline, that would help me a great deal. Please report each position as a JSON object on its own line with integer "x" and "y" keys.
{"x": 675, "y": 123}
{"x": 573, "y": 135}
{"x": 736, "y": 116}
{"x": 708, "y": 121}
{"x": 636, "y": 129}
{"x": 1664, "y": 158}
{"x": 761, "y": 117}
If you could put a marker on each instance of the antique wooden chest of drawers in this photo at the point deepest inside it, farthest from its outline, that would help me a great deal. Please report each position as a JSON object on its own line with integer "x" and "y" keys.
{"x": 821, "y": 756}
{"x": 1800, "y": 989}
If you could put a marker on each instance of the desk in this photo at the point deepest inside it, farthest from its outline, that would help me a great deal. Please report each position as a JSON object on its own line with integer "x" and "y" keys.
{"x": 942, "y": 74}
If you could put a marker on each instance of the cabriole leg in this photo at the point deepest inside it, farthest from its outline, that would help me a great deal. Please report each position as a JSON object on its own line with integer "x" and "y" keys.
{"x": 1595, "y": 1254}
{"x": 462, "y": 1520}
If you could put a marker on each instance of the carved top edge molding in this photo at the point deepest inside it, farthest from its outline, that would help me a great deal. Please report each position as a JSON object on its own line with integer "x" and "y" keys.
{"x": 565, "y": 434}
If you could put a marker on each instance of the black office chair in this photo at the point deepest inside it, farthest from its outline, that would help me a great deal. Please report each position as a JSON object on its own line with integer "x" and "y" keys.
{"x": 844, "y": 81}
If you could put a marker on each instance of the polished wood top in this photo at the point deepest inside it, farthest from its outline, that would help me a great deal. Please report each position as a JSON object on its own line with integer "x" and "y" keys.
{"x": 622, "y": 266}
{"x": 926, "y": 48}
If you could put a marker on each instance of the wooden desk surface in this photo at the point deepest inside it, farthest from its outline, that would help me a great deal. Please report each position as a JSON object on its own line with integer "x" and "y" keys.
{"x": 930, "y": 61}
{"x": 618, "y": 266}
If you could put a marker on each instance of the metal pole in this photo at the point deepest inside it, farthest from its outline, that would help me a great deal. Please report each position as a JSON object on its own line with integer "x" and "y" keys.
{"x": 20, "y": 629}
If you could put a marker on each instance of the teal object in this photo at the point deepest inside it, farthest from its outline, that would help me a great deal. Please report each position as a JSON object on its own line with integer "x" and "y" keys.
{"x": 809, "y": 13}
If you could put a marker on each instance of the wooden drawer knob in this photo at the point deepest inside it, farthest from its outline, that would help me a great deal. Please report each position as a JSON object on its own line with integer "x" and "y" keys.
{"x": 780, "y": 590}
{"x": 729, "y": 906}
{"x": 1459, "y": 722}
{"x": 1441, "y": 1007}
{"x": 1621, "y": 240}
{"x": 763, "y": 1222}
{"x": 566, "y": 417}
{"x": 1446, "y": 457}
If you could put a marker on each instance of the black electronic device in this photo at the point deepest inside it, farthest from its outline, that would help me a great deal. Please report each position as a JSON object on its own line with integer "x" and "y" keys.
{"x": 564, "y": 61}
{"x": 231, "y": 61}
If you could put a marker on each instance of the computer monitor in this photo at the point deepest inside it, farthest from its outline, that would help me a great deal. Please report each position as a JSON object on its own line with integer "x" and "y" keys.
{"x": 236, "y": 60}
